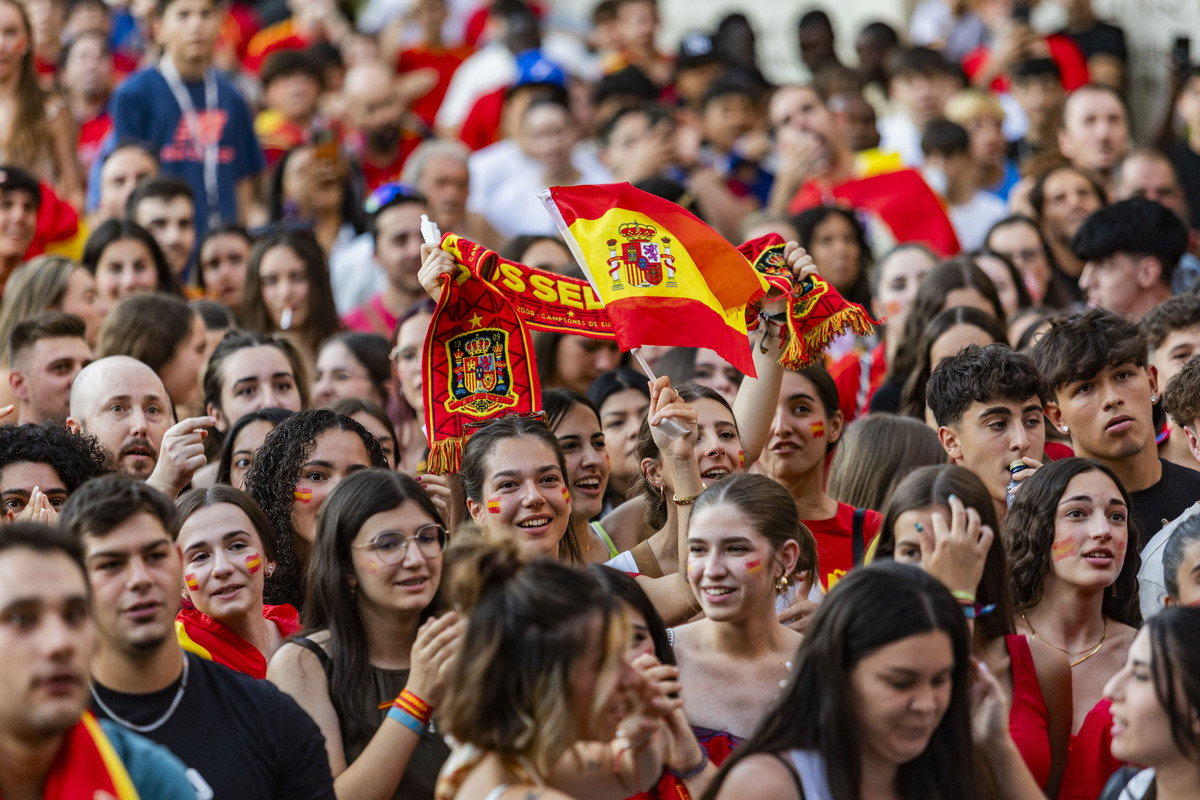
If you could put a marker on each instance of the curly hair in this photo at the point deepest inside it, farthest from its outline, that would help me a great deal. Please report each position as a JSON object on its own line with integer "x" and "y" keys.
{"x": 272, "y": 480}
{"x": 76, "y": 457}
{"x": 1029, "y": 534}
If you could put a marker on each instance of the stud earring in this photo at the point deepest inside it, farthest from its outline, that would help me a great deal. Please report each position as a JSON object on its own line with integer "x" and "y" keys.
{"x": 1153, "y": 399}
{"x": 270, "y": 570}
{"x": 1066, "y": 429}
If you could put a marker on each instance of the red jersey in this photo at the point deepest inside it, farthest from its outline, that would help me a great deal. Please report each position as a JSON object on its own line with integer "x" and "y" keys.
{"x": 857, "y": 377}
{"x": 445, "y": 62}
{"x": 376, "y": 175}
{"x": 91, "y": 135}
{"x": 835, "y": 545}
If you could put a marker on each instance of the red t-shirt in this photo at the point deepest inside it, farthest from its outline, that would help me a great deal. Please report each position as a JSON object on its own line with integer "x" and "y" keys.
{"x": 441, "y": 59}
{"x": 835, "y": 548}
{"x": 371, "y": 317}
{"x": 91, "y": 135}
{"x": 481, "y": 126}
{"x": 847, "y": 373}
{"x": 1063, "y": 52}
{"x": 376, "y": 175}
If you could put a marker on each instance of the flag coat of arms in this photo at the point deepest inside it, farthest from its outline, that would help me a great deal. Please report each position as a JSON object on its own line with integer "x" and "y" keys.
{"x": 664, "y": 276}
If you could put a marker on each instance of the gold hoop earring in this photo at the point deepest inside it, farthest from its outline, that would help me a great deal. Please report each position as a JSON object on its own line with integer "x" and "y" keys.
{"x": 781, "y": 585}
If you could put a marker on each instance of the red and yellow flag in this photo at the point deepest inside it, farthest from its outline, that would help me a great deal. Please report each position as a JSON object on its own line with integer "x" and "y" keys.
{"x": 88, "y": 766}
{"x": 665, "y": 277}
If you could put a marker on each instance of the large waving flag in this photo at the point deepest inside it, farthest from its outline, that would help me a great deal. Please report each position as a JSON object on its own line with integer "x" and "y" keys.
{"x": 665, "y": 277}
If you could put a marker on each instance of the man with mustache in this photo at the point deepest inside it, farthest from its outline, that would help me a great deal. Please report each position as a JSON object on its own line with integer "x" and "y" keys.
{"x": 122, "y": 402}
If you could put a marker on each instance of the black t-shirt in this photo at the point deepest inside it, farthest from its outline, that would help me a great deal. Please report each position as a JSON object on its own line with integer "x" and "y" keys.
{"x": 245, "y": 738}
{"x": 1187, "y": 167}
{"x": 1176, "y": 490}
{"x": 1102, "y": 38}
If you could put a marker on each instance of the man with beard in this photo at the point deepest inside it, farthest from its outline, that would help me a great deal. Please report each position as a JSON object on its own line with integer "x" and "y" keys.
{"x": 377, "y": 115}
{"x": 121, "y": 402}
{"x": 50, "y": 746}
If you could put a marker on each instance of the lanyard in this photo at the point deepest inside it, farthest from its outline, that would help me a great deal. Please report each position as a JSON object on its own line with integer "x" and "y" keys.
{"x": 211, "y": 148}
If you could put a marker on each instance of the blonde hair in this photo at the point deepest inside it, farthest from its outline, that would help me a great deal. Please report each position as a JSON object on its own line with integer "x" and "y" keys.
{"x": 38, "y": 286}
{"x": 967, "y": 104}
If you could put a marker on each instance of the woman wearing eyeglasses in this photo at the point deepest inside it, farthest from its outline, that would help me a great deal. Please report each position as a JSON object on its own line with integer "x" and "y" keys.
{"x": 372, "y": 662}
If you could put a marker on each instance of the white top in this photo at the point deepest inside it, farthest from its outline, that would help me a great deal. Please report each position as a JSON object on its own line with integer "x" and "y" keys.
{"x": 899, "y": 134}
{"x": 507, "y": 196}
{"x": 1152, "y": 584}
{"x": 811, "y": 769}
{"x": 354, "y": 274}
{"x": 974, "y": 218}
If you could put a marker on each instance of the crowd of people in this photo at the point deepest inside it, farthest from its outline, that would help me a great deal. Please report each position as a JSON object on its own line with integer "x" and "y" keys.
{"x": 953, "y": 558}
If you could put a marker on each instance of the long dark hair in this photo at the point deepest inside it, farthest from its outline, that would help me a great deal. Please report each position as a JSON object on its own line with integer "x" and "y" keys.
{"x": 934, "y": 486}
{"x": 329, "y": 606}
{"x": 272, "y": 481}
{"x": 867, "y": 610}
{"x": 478, "y": 451}
{"x": 116, "y": 230}
{"x": 912, "y": 396}
{"x": 1029, "y": 534}
{"x": 1175, "y": 662}
{"x": 271, "y": 415}
{"x": 808, "y": 221}
{"x": 323, "y": 320}
{"x": 928, "y": 303}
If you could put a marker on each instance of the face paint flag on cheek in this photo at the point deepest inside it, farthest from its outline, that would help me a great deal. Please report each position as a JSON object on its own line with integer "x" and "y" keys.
{"x": 754, "y": 567}
{"x": 192, "y": 584}
{"x": 566, "y": 495}
{"x": 817, "y": 428}
{"x": 741, "y": 460}
{"x": 254, "y": 562}
{"x": 303, "y": 495}
{"x": 493, "y": 506}
{"x": 1061, "y": 550}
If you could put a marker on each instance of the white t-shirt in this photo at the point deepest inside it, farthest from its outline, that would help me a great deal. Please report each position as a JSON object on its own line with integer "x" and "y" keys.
{"x": 974, "y": 218}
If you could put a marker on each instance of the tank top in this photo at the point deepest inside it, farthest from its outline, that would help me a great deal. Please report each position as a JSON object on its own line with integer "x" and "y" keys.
{"x": 421, "y": 775}
{"x": 1028, "y": 718}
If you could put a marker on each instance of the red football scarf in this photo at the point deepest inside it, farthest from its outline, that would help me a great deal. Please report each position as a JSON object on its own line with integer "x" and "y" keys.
{"x": 816, "y": 312}
{"x": 547, "y": 301}
{"x": 477, "y": 365}
{"x": 87, "y": 764}
{"x": 201, "y": 634}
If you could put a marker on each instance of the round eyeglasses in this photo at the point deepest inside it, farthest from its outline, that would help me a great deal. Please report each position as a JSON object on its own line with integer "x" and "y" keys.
{"x": 391, "y": 546}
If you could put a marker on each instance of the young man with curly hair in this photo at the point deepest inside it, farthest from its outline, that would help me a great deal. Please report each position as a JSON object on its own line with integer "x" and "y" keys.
{"x": 41, "y": 465}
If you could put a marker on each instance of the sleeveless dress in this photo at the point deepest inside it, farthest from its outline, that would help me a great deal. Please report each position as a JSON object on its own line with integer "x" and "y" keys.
{"x": 1028, "y": 718}
{"x": 1089, "y": 761}
{"x": 421, "y": 775}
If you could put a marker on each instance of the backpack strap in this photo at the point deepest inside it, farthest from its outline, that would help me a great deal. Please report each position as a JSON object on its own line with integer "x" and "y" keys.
{"x": 857, "y": 538}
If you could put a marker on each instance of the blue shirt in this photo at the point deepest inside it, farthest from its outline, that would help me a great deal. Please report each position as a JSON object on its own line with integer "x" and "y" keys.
{"x": 154, "y": 771}
{"x": 143, "y": 109}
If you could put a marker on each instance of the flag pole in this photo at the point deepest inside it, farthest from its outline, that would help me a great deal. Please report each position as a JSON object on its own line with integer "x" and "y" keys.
{"x": 673, "y": 428}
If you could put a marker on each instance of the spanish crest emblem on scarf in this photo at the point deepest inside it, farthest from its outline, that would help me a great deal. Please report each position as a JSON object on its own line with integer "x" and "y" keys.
{"x": 480, "y": 381}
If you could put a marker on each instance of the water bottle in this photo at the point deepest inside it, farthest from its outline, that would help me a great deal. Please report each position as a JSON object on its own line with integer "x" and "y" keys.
{"x": 1014, "y": 468}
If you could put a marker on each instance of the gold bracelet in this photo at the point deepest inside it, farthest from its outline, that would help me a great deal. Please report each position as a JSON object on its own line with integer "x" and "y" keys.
{"x": 684, "y": 501}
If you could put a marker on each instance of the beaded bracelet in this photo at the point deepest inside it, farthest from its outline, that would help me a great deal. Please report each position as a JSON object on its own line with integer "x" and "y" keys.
{"x": 694, "y": 771}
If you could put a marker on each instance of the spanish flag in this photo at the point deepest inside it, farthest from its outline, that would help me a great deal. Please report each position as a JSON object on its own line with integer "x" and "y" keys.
{"x": 87, "y": 765}
{"x": 664, "y": 276}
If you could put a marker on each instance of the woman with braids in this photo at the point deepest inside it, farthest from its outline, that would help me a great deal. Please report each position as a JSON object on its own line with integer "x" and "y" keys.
{"x": 544, "y": 702}
{"x": 1073, "y": 555}
{"x": 879, "y": 705}
{"x": 373, "y": 661}
{"x": 299, "y": 464}
{"x": 1155, "y": 702}
{"x": 942, "y": 519}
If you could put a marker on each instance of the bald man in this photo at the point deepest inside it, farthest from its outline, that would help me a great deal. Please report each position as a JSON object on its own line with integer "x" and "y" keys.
{"x": 123, "y": 403}
{"x": 377, "y": 113}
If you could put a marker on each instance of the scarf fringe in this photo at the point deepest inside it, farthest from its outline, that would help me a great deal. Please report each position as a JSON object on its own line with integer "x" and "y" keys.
{"x": 804, "y": 348}
{"x": 445, "y": 456}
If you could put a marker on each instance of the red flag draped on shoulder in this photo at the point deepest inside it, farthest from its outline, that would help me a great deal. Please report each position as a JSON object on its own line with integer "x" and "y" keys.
{"x": 88, "y": 766}
{"x": 665, "y": 277}
{"x": 477, "y": 365}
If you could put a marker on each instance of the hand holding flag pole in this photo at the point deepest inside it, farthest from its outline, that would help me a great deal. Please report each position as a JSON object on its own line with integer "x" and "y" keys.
{"x": 671, "y": 427}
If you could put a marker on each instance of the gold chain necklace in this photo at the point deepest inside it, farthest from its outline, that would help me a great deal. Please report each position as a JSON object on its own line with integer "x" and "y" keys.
{"x": 1091, "y": 653}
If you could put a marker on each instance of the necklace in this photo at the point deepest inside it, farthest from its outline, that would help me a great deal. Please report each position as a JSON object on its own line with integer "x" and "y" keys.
{"x": 1090, "y": 653}
{"x": 158, "y": 723}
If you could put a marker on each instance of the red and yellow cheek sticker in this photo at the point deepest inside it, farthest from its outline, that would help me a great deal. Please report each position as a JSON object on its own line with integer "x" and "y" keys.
{"x": 493, "y": 506}
{"x": 303, "y": 495}
{"x": 566, "y": 495}
{"x": 754, "y": 567}
{"x": 817, "y": 428}
{"x": 192, "y": 584}
{"x": 1063, "y": 549}
{"x": 254, "y": 562}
